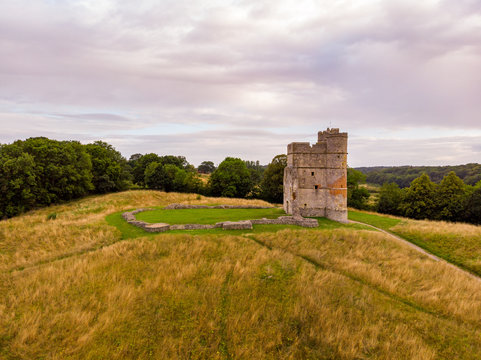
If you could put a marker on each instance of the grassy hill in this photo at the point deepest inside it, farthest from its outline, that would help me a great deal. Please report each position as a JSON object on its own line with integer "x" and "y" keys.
{"x": 79, "y": 286}
{"x": 459, "y": 244}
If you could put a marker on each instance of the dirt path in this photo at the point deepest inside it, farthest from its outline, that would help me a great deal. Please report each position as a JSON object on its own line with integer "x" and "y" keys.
{"x": 419, "y": 249}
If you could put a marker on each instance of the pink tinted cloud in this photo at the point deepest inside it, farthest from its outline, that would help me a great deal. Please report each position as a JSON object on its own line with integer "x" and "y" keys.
{"x": 257, "y": 65}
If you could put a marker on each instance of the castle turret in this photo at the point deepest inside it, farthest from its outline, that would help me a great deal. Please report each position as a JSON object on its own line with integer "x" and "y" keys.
{"x": 315, "y": 179}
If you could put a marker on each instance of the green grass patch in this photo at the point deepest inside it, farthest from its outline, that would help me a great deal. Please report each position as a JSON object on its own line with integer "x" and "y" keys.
{"x": 129, "y": 231}
{"x": 379, "y": 221}
{"x": 206, "y": 216}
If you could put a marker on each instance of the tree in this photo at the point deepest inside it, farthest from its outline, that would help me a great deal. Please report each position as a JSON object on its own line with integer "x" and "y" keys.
{"x": 178, "y": 161}
{"x": 450, "y": 198}
{"x": 170, "y": 172}
{"x": 206, "y": 167}
{"x": 40, "y": 171}
{"x": 193, "y": 183}
{"x": 272, "y": 184}
{"x": 63, "y": 169}
{"x": 230, "y": 179}
{"x": 140, "y": 166}
{"x": 419, "y": 201}
{"x": 109, "y": 168}
{"x": 17, "y": 183}
{"x": 473, "y": 206}
{"x": 186, "y": 181}
{"x": 134, "y": 158}
{"x": 155, "y": 176}
{"x": 390, "y": 198}
{"x": 169, "y": 177}
{"x": 356, "y": 196}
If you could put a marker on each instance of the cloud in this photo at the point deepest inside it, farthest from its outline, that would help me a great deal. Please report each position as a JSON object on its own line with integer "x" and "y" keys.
{"x": 155, "y": 74}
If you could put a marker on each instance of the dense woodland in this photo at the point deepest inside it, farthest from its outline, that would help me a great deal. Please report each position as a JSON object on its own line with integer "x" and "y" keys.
{"x": 38, "y": 172}
{"x": 404, "y": 175}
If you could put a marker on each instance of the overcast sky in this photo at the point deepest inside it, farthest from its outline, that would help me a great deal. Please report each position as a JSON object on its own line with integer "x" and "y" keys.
{"x": 209, "y": 79}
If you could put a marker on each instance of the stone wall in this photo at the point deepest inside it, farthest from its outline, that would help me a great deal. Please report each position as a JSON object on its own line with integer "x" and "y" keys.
{"x": 315, "y": 179}
{"x": 129, "y": 216}
{"x": 186, "y": 206}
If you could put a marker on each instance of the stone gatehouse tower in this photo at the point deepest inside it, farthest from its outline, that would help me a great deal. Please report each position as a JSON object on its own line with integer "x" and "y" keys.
{"x": 315, "y": 179}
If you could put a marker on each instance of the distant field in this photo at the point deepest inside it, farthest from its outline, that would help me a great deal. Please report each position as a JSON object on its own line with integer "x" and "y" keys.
{"x": 204, "y": 178}
{"x": 374, "y": 192}
{"x": 456, "y": 243}
{"x": 78, "y": 287}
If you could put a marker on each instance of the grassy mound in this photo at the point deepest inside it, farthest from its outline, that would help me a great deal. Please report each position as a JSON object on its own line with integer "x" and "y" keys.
{"x": 72, "y": 289}
{"x": 206, "y": 216}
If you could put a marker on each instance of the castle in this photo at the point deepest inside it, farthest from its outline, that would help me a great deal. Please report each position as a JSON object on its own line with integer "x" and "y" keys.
{"x": 315, "y": 179}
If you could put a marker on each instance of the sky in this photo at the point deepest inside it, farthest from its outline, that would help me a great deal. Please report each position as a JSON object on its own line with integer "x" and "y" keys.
{"x": 207, "y": 79}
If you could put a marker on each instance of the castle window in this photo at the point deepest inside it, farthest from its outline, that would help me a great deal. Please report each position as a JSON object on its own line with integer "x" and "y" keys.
{"x": 312, "y": 173}
{"x": 316, "y": 187}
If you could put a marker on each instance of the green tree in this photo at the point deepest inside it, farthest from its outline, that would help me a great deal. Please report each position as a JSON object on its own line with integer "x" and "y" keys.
{"x": 40, "y": 171}
{"x": 390, "y": 198}
{"x": 109, "y": 168}
{"x": 272, "y": 184}
{"x": 170, "y": 171}
{"x": 473, "y": 206}
{"x": 357, "y": 197}
{"x": 17, "y": 183}
{"x": 63, "y": 169}
{"x": 206, "y": 167}
{"x": 230, "y": 179}
{"x": 155, "y": 176}
{"x": 451, "y": 197}
{"x": 193, "y": 183}
{"x": 178, "y": 161}
{"x": 140, "y": 165}
{"x": 420, "y": 199}
{"x": 169, "y": 177}
{"x": 186, "y": 181}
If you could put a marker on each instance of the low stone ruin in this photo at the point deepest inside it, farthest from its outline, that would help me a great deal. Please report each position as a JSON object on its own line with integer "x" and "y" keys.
{"x": 129, "y": 216}
{"x": 186, "y": 206}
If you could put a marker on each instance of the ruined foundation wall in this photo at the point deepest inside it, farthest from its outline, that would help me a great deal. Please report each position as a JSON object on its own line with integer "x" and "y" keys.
{"x": 315, "y": 179}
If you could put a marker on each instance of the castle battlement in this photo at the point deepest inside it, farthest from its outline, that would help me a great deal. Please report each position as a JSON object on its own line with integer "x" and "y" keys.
{"x": 315, "y": 179}
{"x": 322, "y": 135}
{"x": 305, "y": 148}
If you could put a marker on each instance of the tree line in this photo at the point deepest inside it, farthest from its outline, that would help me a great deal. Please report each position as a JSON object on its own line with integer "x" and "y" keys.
{"x": 450, "y": 200}
{"x": 404, "y": 175}
{"x": 39, "y": 171}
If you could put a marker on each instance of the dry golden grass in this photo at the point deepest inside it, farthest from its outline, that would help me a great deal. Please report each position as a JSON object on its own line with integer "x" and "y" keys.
{"x": 294, "y": 294}
{"x": 457, "y": 243}
{"x": 394, "y": 268}
{"x": 80, "y": 226}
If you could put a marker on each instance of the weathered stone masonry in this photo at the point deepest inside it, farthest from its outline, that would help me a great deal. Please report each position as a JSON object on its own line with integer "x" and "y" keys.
{"x": 129, "y": 216}
{"x": 315, "y": 179}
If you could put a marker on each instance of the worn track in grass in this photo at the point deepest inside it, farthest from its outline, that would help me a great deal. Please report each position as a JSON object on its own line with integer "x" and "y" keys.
{"x": 417, "y": 248}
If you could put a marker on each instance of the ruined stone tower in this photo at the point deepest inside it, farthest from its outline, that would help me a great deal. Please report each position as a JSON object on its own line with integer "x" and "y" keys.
{"x": 315, "y": 179}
